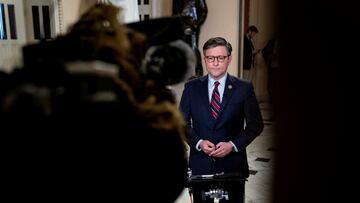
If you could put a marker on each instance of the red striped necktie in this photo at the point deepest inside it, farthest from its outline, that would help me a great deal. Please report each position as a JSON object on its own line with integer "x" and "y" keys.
{"x": 215, "y": 101}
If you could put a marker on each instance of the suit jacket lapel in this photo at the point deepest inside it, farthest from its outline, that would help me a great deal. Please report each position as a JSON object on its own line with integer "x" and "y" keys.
{"x": 228, "y": 91}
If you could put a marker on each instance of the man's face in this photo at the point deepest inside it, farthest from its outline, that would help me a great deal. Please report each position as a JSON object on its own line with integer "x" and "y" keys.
{"x": 217, "y": 61}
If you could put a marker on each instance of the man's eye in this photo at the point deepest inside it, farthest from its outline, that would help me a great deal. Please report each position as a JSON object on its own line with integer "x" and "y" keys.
{"x": 221, "y": 58}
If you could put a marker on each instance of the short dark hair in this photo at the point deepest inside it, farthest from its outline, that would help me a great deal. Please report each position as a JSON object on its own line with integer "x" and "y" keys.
{"x": 217, "y": 41}
{"x": 252, "y": 29}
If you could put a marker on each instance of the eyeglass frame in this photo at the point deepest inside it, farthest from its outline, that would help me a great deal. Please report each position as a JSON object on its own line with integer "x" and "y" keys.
{"x": 217, "y": 58}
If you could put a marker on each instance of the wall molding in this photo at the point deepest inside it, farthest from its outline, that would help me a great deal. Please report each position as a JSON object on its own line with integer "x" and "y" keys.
{"x": 59, "y": 19}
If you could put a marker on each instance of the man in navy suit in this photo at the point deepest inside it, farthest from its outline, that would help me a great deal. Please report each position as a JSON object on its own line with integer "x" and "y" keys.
{"x": 218, "y": 145}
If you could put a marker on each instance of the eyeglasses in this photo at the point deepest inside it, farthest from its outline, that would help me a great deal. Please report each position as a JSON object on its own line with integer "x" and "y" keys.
{"x": 211, "y": 59}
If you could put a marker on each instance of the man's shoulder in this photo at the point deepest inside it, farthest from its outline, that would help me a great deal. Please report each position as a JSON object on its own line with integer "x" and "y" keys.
{"x": 235, "y": 79}
{"x": 195, "y": 80}
{"x": 239, "y": 82}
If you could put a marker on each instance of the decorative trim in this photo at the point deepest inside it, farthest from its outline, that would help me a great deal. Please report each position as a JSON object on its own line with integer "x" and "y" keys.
{"x": 242, "y": 18}
{"x": 61, "y": 16}
{"x": 59, "y": 19}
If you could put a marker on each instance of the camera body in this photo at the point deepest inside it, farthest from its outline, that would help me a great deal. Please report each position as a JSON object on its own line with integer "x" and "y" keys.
{"x": 84, "y": 111}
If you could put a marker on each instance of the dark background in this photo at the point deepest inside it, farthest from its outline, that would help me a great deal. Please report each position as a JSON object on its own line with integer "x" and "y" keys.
{"x": 319, "y": 43}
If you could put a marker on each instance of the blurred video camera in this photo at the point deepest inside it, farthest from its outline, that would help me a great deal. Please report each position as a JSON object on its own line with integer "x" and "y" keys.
{"x": 85, "y": 101}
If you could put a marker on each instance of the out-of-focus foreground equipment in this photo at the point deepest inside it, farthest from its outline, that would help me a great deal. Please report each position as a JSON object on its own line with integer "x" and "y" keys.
{"x": 89, "y": 107}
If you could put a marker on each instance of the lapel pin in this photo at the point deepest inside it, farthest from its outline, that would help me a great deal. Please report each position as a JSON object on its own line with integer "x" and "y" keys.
{"x": 230, "y": 86}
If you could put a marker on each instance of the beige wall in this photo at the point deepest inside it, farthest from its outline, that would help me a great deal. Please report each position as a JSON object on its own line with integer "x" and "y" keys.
{"x": 73, "y": 9}
{"x": 161, "y": 8}
{"x": 263, "y": 14}
{"x": 223, "y": 21}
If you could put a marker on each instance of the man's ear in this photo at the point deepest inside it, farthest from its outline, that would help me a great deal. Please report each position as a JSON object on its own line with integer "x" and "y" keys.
{"x": 229, "y": 58}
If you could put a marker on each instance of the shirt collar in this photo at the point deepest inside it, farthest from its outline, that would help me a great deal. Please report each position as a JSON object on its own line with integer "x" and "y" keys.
{"x": 221, "y": 80}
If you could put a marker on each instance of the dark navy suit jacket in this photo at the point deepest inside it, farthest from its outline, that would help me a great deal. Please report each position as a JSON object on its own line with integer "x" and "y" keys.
{"x": 238, "y": 105}
{"x": 248, "y": 53}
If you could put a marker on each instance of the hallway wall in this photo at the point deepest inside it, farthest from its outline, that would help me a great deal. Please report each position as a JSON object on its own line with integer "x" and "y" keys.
{"x": 264, "y": 15}
{"x": 223, "y": 20}
{"x": 73, "y": 9}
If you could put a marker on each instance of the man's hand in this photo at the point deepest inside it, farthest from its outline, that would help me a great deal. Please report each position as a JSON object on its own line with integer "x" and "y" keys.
{"x": 221, "y": 149}
{"x": 207, "y": 147}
